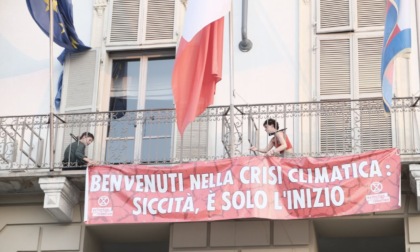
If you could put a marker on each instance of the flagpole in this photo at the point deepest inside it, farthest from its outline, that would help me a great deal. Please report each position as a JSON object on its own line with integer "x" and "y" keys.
{"x": 416, "y": 12}
{"x": 51, "y": 119}
{"x": 231, "y": 84}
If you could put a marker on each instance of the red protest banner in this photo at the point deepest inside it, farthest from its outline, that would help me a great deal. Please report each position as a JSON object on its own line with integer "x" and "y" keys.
{"x": 244, "y": 187}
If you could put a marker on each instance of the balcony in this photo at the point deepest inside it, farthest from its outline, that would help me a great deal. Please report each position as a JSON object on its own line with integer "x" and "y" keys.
{"x": 316, "y": 129}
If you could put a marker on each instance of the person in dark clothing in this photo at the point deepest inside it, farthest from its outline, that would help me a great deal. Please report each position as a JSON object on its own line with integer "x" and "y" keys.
{"x": 74, "y": 155}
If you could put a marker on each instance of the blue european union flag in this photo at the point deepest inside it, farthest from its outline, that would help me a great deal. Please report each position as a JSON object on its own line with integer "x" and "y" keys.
{"x": 64, "y": 32}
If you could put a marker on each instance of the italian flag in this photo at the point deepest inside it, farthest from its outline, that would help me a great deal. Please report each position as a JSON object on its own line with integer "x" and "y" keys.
{"x": 198, "y": 62}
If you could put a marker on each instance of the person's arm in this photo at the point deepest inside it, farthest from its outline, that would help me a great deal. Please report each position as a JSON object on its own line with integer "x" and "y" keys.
{"x": 89, "y": 161}
{"x": 80, "y": 154}
{"x": 283, "y": 145}
{"x": 266, "y": 149}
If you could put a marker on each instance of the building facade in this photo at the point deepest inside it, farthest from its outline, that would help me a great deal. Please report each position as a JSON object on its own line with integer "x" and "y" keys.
{"x": 315, "y": 64}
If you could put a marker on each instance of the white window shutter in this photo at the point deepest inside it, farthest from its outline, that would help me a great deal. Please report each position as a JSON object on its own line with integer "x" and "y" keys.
{"x": 160, "y": 21}
{"x": 194, "y": 144}
{"x": 124, "y": 22}
{"x": 371, "y": 14}
{"x": 375, "y": 126}
{"x": 334, "y": 16}
{"x": 80, "y": 82}
{"x": 137, "y": 23}
{"x": 334, "y": 60}
{"x": 369, "y": 51}
{"x": 335, "y": 127}
{"x": 79, "y": 94}
{"x": 334, "y": 67}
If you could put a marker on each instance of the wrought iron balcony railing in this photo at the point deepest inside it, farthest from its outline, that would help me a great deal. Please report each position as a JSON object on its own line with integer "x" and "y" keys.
{"x": 327, "y": 128}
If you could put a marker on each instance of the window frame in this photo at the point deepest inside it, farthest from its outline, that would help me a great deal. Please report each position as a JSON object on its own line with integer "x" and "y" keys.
{"x": 143, "y": 57}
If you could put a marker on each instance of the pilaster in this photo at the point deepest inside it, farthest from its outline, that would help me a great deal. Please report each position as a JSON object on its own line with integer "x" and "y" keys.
{"x": 99, "y": 6}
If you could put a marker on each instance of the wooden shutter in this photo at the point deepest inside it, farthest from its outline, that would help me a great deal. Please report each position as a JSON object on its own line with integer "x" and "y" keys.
{"x": 375, "y": 126}
{"x": 80, "y": 82}
{"x": 142, "y": 22}
{"x": 337, "y": 16}
{"x": 370, "y": 13}
{"x": 335, "y": 82}
{"x": 160, "y": 21}
{"x": 335, "y": 127}
{"x": 334, "y": 67}
{"x": 194, "y": 145}
{"x": 334, "y": 16}
{"x": 369, "y": 51}
{"x": 81, "y": 72}
{"x": 124, "y": 22}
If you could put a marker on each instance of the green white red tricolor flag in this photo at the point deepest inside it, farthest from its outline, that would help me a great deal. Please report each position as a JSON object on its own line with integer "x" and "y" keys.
{"x": 244, "y": 187}
{"x": 198, "y": 62}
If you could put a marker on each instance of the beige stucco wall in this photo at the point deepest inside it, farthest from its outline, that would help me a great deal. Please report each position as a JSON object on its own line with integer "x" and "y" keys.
{"x": 290, "y": 235}
{"x": 41, "y": 232}
{"x": 306, "y": 53}
{"x": 247, "y": 235}
{"x": 31, "y": 228}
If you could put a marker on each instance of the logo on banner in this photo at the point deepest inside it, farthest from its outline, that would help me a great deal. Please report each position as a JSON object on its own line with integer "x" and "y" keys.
{"x": 103, "y": 201}
{"x": 376, "y": 187}
{"x": 102, "y": 211}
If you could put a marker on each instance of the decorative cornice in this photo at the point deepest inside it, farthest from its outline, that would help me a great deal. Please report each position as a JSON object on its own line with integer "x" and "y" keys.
{"x": 100, "y": 6}
{"x": 60, "y": 197}
{"x": 415, "y": 182}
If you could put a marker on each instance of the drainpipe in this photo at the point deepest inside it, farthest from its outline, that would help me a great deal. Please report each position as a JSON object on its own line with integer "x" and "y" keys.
{"x": 245, "y": 45}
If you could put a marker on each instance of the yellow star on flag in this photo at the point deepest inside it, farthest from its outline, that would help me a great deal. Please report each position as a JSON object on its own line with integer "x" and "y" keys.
{"x": 74, "y": 42}
{"x": 62, "y": 26}
{"x": 47, "y": 7}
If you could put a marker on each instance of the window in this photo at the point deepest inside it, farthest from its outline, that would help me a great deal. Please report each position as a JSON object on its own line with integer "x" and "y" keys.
{"x": 348, "y": 68}
{"x": 138, "y": 22}
{"x": 349, "y": 15}
{"x": 142, "y": 84}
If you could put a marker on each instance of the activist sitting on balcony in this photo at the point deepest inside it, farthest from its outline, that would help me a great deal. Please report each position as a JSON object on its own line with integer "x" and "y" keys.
{"x": 279, "y": 144}
{"x": 74, "y": 155}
